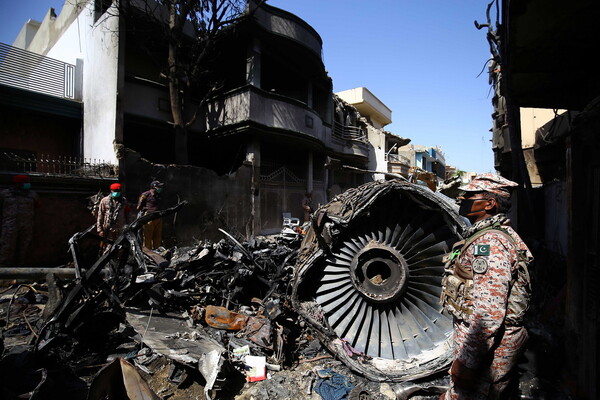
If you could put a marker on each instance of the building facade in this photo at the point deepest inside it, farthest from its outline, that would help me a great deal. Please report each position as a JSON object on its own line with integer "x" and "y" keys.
{"x": 265, "y": 135}
{"x": 546, "y": 122}
{"x": 374, "y": 115}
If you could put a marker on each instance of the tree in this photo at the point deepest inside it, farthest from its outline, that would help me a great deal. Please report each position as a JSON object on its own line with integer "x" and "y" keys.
{"x": 191, "y": 32}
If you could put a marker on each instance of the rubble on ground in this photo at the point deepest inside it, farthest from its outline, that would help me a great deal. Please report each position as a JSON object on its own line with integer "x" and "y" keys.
{"x": 259, "y": 318}
{"x": 212, "y": 320}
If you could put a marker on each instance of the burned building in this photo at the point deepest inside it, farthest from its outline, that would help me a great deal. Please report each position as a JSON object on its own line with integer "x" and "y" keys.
{"x": 261, "y": 140}
{"x": 541, "y": 64}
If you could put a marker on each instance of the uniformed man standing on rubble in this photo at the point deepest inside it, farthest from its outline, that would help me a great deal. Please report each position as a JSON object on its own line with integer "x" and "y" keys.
{"x": 113, "y": 213}
{"x": 149, "y": 201}
{"x": 17, "y": 209}
{"x": 486, "y": 288}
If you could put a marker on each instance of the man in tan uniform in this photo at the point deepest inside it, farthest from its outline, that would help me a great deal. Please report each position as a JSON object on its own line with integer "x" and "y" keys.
{"x": 149, "y": 201}
{"x": 486, "y": 288}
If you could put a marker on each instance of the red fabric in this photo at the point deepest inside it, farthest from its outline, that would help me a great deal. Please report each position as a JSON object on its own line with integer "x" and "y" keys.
{"x": 115, "y": 186}
{"x": 20, "y": 179}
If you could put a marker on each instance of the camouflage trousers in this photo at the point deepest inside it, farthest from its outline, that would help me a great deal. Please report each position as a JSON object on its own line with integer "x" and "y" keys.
{"x": 496, "y": 373}
{"x": 111, "y": 234}
{"x": 14, "y": 244}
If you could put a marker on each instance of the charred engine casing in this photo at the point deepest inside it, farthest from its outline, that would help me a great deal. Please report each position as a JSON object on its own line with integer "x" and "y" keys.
{"x": 368, "y": 279}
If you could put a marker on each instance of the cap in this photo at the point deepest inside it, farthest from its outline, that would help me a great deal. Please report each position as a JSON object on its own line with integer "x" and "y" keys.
{"x": 115, "y": 186}
{"x": 490, "y": 183}
{"x": 20, "y": 178}
{"x": 156, "y": 184}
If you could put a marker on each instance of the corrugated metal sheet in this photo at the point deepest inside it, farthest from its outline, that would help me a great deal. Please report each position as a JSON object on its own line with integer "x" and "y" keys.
{"x": 30, "y": 71}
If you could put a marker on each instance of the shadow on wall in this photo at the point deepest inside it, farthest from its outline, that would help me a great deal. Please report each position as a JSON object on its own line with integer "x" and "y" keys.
{"x": 213, "y": 201}
{"x": 62, "y": 213}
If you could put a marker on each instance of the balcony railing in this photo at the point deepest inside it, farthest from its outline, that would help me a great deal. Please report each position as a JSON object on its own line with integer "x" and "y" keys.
{"x": 30, "y": 71}
{"x": 19, "y": 161}
{"x": 349, "y": 132}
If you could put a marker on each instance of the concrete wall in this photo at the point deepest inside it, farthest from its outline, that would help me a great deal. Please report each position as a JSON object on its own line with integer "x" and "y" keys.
{"x": 70, "y": 45}
{"x": 100, "y": 90}
{"x": 63, "y": 212}
{"x": 213, "y": 201}
{"x": 26, "y": 34}
{"x": 377, "y": 160}
{"x": 531, "y": 120}
{"x": 147, "y": 100}
{"x": 74, "y": 35}
{"x": 53, "y": 27}
{"x": 408, "y": 151}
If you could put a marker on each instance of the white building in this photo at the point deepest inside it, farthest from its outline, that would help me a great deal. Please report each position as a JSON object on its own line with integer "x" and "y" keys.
{"x": 383, "y": 152}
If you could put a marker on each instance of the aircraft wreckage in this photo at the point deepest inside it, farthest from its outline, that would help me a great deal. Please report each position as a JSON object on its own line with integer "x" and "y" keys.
{"x": 366, "y": 279}
{"x": 369, "y": 279}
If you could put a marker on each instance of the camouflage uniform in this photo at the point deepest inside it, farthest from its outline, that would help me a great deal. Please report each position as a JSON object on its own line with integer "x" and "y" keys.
{"x": 17, "y": 207}
{"x": 486, "y": 288}
{"x": 113, "y": 213}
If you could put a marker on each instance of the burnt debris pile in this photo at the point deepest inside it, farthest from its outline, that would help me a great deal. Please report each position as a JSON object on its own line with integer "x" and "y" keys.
{"x": 350, "y": 298}
{"x": 215, "y": 311}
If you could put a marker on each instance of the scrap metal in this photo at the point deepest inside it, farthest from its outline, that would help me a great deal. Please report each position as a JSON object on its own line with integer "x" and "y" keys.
{"x": 369, "y": 259}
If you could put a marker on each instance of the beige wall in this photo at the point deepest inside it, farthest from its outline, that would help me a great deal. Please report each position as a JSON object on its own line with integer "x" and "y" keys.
{"x": 368, "y": 105}
{"x": 531, "y": 120}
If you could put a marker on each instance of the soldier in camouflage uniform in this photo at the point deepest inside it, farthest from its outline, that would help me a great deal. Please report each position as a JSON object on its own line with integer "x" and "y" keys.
{"x": 486, "y": 288}
{"x": 17, "y": 207}
{"x": 113, "y": 213}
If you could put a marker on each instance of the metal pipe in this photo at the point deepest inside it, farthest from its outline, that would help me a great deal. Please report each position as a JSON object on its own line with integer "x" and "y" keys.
{"x": 35, "y": 273}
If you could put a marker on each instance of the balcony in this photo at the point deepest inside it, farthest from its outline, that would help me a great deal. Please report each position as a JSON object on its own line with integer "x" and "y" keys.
{"x": 397, "y": 159}
{"x": 250, "y": 104}
{"x": 348, "y": 140}
{"x": 286, "y": 24}
{"x": 29, "y": 71}
{"x": 353, "y": 133}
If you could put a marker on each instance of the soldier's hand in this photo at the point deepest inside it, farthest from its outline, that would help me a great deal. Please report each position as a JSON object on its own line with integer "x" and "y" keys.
{"x": 101, "y": 234}
{"x": 463, "y": 376}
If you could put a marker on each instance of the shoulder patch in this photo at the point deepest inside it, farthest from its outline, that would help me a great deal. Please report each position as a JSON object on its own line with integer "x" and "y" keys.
{"x": 480, "y": 265}
{"x": 481, "y": 250}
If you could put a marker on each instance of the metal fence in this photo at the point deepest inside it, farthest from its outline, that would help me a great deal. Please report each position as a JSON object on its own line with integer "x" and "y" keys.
{"x": 281, "y": 174}
{"x": 30, "y": 71}
{"x": 14, "y": 161}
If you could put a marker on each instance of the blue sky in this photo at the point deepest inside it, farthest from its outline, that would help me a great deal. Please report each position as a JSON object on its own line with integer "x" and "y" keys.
{"x": 421, "y": 58}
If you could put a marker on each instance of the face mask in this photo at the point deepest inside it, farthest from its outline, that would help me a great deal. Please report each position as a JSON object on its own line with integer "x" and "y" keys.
{"x": 27, "y": 186}
{"x": 465, "y": 206}
{"x": 158, "y": 190}
{"x": 115, "y": 194}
